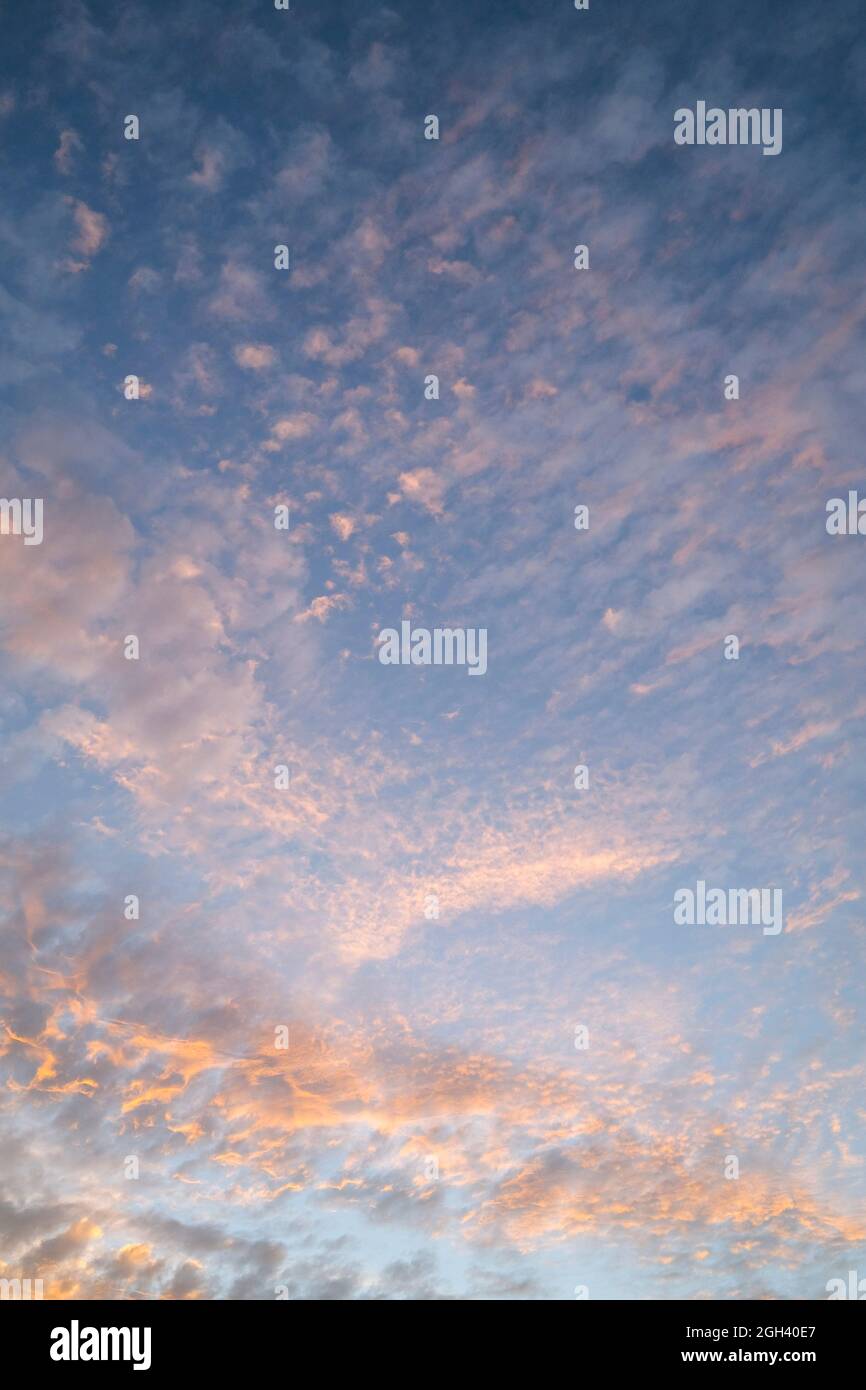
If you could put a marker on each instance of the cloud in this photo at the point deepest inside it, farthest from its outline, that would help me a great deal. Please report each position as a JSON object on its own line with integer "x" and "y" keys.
{"x": 289, "y": 428}
{"x": 255, "y": 356}
{"x": 240, "y": 295}
{"x": 424, "y": 486}
{"x": 91, "y": 228}
{"x": 64, "y": 155}
{"x": 343, "y": 525}
{"x": 322, "y": 607}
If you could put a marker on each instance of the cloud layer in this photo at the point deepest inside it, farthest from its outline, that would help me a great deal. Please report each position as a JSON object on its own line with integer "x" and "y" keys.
{"x": 419, "y": 1023}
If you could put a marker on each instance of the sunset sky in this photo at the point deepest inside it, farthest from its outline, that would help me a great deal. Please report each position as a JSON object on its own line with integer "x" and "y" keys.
{"x": 432, "y": 1130}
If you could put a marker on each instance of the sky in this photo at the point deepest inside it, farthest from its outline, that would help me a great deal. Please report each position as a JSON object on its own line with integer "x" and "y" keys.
{"x": 414, "y": 1019}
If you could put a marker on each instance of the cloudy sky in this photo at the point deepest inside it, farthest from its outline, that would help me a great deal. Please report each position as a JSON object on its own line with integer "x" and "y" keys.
{"x": 431, "y": 908}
